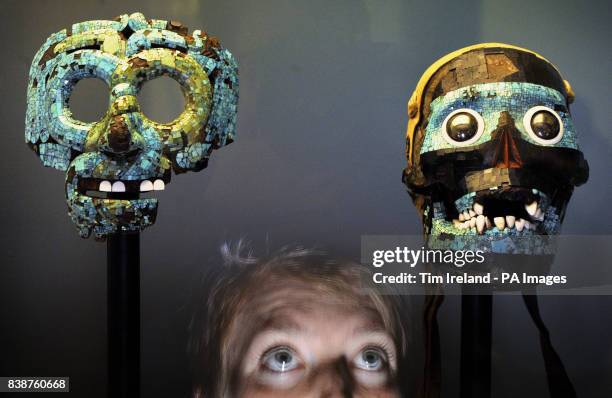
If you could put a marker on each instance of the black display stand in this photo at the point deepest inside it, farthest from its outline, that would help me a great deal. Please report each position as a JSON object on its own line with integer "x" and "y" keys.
{"x": 123, "y": 316}
{"x": 476, "y": 328}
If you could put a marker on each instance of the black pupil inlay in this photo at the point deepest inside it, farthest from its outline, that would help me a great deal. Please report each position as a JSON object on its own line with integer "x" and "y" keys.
{"x": 462, "y": 126}
{"x": 545, "y": 125}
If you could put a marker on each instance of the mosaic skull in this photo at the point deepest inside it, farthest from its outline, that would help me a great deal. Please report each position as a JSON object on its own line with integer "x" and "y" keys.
{"x": 492, "y": 152}
{"x": 111, "y": 162}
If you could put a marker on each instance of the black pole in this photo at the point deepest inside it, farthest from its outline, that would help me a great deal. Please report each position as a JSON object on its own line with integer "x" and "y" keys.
{"x": 476, "y": 326}
{"x": 123, "y": 285}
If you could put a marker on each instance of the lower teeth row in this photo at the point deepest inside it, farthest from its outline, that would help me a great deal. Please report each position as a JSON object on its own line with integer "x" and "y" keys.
{"x": 481, "y": 223}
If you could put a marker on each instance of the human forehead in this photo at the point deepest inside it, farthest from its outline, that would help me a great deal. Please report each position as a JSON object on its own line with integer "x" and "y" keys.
{"x": 307, "y": 318}
{"x": 279, "y": 294}
{"x": 305, "y": 311}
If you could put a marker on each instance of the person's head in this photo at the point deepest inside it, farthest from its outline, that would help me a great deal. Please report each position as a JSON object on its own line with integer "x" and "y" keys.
{"x": 298, "y": 324}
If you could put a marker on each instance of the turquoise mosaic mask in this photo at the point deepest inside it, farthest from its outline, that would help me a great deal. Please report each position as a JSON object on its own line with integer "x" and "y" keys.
{"x": 111, "y": 163}
{"x": 493, "y": 152}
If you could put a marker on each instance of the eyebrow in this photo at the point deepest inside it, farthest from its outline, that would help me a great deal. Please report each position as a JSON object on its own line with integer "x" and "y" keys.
{"x": 278, "y": 323}
{"x": 373, "y": 327}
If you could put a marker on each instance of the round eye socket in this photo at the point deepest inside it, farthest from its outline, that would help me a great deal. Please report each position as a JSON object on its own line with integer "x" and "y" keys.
{"x": 463, "y": 127}
{"x": 161, "y": 99}
{"x": 280, "y": 359}
{"x": 88, "y": 99}
{"x": 543, "y": 125}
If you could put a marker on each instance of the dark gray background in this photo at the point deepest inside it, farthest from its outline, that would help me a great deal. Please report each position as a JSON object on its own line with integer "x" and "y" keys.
{"x": 318, "y": 159}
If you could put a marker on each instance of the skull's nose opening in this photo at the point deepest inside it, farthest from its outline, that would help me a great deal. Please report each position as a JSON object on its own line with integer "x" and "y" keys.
{"x": 119, "y": 137}
{"x": 120, "y": 141}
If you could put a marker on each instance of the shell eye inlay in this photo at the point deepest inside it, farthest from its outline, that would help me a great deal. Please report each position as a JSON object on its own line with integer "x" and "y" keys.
{"x": 462, "y": 126}
{"x": 545, "y": 125}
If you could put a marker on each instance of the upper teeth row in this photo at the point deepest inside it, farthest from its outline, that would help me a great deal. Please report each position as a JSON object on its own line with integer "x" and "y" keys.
{"x": 119, "y": 186}
{"x": 475, "y": 218}
{"x": 535, "y": 211}
{"x": 532, "y": 209}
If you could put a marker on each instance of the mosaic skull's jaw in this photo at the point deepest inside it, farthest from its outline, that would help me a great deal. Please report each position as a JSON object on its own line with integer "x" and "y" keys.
{"x": 514, "y": 216}
{"x": 506, "y": 210}
{"x": 105, "y": 204}
{"x": 106, "y": 216}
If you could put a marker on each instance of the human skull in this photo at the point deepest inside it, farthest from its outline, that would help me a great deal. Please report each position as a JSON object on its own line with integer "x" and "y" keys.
{"x": 493, "y": 155}
{"x": 109, "y": 163}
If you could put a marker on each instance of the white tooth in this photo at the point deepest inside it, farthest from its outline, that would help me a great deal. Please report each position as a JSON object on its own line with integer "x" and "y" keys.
{"x": 105, "y": 186}
{"x": 159, "y": 185}
{"x": 500, "y": 223}
{"x": 466, "y": 215}
{"x": 520, "y": 224}
{"x": 146, "y": 186}
{"x": 473, "y": 222}
{"x": 480, "y": 223}
{"x": 528, "y": 225}
{"x": 466, "y": 224}
{"x": 118, "y": 186}
{"x": 461, "y": 218}
{"x": 510, "y": 220}
{"x": 478, "y": 208}
{"x": 539, "y": 215}
{"x": 472, "y": 213}
{"x": 532, "y": 208}
{"x": 473, "y": 229}
{"x": 487, "y": 222}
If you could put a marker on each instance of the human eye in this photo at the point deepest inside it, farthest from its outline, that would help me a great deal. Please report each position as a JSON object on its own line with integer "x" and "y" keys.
{"x": 280, "y": 367}
{"x": 280, "y": 359}
{"x": 371, "y": 366}
{"x": 371, "y": 359}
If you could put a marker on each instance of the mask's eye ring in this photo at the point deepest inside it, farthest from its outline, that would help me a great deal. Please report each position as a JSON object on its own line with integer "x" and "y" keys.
{"x": 543, "y": 125}
{"x": 463, "y": 127}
